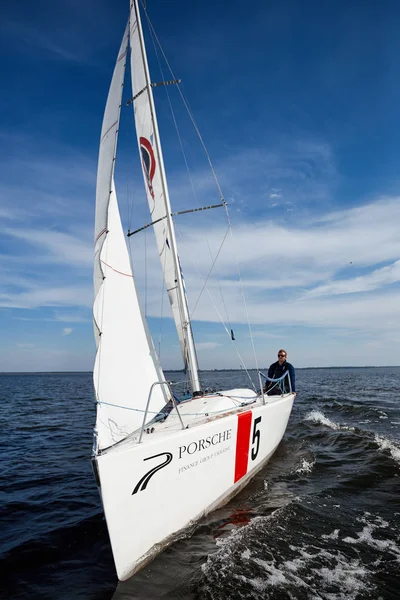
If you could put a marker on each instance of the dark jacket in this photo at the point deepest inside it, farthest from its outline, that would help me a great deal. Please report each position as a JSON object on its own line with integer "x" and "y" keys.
{"x": 276, "y": 370}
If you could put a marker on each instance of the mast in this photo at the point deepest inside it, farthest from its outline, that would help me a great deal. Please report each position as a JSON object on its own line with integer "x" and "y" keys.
{"x": 183, "y": 325}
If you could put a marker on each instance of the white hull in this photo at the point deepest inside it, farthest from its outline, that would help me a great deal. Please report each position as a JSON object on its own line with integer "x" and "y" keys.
{"x": 154, "y": 490}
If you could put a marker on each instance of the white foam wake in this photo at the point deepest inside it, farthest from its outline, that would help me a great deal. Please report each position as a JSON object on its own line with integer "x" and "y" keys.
{"x": 242, "y": 560}
{"x": 389, "y": 445}
{"x": 318, "y": 417}
{"x": 305, "y": 466}
{"x": 365, "y": 536}
{"x": 331, "y": 536}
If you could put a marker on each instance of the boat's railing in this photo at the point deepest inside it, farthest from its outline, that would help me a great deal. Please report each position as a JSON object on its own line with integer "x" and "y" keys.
{"x": 148, "y": 404}
{"x": 278, "y": 383}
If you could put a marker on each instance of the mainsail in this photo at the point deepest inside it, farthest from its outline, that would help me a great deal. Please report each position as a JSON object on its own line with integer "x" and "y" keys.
{"x": 157, "y": 191}
{"x": 126, "y": 365}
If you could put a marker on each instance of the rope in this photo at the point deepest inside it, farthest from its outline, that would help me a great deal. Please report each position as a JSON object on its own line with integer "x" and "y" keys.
{"x": 270, "y": 379}
{"x": 209, "y": 273}
{"x": 202, "y": 414}
{"x": 160, "y": 331}
{"x": 145, "y": 274}
{"x": 219, "y": 314}
{"x": 276, "y": 381}
{"x": 243, "y": 296}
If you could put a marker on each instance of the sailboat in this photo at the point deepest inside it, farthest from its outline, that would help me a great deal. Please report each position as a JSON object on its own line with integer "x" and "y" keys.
{"x": 158, "y": 476}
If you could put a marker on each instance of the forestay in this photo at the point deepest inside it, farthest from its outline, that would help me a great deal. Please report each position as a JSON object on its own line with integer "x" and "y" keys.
{"x": 125, "y": 352}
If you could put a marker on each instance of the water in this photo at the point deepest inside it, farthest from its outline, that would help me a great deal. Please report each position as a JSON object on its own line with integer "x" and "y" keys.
{"x": 320, "y": 521}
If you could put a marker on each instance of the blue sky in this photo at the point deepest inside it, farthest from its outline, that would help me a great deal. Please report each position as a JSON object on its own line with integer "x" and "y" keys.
{"x": 298, "y": 106}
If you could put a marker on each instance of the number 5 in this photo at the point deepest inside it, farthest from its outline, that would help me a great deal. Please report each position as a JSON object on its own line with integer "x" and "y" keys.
{"x": 256, "y": 439}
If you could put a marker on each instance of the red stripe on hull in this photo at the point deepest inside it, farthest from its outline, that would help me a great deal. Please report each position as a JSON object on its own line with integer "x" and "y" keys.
{"x": 242, "y": 444}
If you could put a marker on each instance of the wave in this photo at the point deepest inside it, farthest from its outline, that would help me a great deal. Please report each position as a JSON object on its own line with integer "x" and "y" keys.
{"x": 331, "y": 536}
{"x": 305, "y": 466}
{"x": 371, "y": 525}
{"x": 361, "y": 412}
{"x": 318, "y": 417}
{"x": 386, "y": 444}
{"x": 260, "y": 559}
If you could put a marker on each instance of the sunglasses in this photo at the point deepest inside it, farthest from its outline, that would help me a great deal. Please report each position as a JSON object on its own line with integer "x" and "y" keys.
{"x": 279, "y": 355}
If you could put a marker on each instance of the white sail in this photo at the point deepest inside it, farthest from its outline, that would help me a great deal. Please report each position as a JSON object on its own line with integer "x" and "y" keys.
{"x": 108, "y": 145}
{"x": 157, "y": 191}
{"x": 125, "y": 366}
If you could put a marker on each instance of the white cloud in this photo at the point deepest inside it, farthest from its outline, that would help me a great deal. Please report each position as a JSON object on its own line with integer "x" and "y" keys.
{"x": 364, "y": 283}
{"x": 55, "y": 246}
{"x": 71, "y": 318}
{"x": 294, "y": 275}
{"x": 42, "y": 296}
{"x": 301, "y": 171}
{"x": 335, "y": 271}
{"x": 207, "y": 345}
{"x": 302, "y": 265}
{"x": 42, "y": 358}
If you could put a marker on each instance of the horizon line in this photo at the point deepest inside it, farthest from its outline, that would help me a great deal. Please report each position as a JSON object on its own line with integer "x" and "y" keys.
{"x": 210, "y": 370}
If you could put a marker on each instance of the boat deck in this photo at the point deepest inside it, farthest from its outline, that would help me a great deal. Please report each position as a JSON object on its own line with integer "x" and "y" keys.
{"x": 206, "y": 408}
{"x": 197, "y": 411}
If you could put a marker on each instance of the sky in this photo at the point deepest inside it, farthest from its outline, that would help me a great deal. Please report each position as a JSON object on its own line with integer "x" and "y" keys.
{"x": 298, "y": 105}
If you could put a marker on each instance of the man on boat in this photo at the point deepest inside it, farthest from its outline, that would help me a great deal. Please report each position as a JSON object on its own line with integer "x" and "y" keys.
{"x": 275, "y": 371}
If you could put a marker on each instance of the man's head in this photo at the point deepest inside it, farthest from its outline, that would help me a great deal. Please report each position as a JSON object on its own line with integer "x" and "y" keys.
{"x": 281, "y": 356}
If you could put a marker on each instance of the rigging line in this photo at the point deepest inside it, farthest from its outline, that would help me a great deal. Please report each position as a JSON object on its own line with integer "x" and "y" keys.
{"x": 145, "y": 274}
{"x": 244, "y": 297}
{"x": 129, "y": 246}
{"x": 229, "y": 332}
{"x": 131, "y": 199}
{"x": 191, "y": 414}
{"x": 212, "y": 170}
{"x": 229, "y": 322}
{"x": 219, "y": 314}
{"x": 162, "y": 310}
{"x": 188, "y": 109}
{"x": 127, "y": 200}
{"x": 173, "y": 115}
{"x": 220, "y": 291}
{"x": 103, "y": 262}
{"x": 210, "y": 271}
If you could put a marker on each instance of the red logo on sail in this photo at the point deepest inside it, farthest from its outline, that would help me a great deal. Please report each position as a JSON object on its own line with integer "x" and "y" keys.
{"x": 148, "y": 162}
